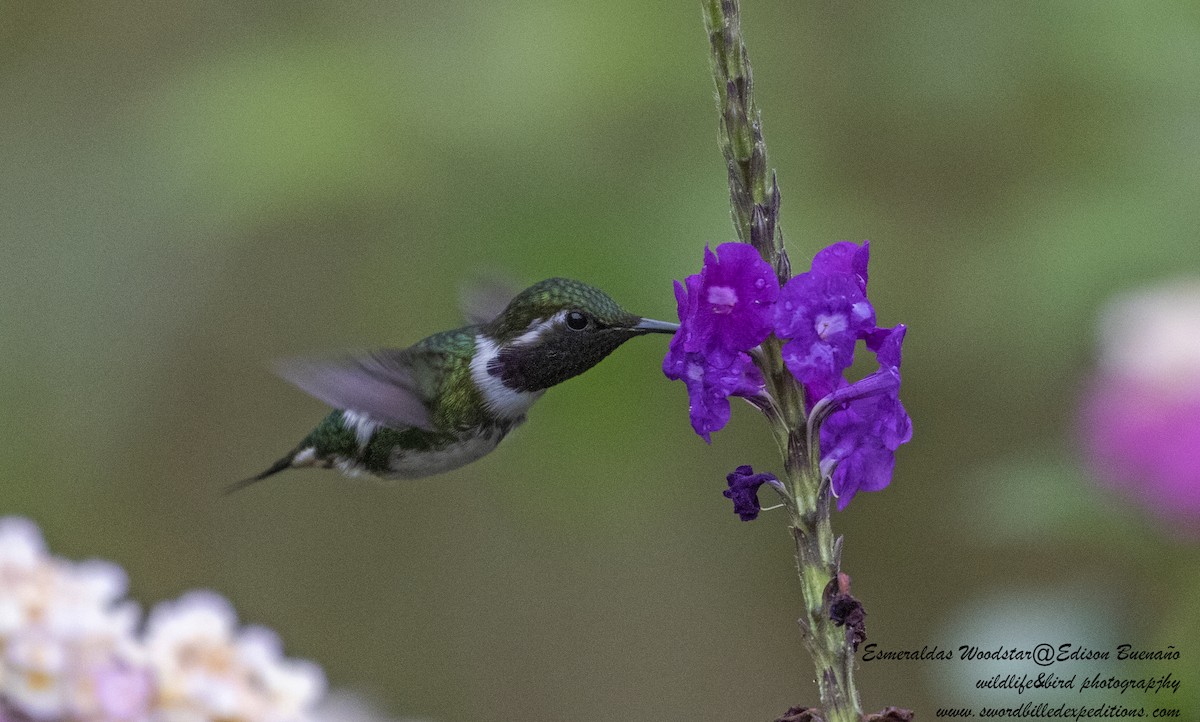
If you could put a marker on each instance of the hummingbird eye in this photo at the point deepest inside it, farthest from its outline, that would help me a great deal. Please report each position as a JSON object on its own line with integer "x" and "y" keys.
{"x": 577, "y": 321}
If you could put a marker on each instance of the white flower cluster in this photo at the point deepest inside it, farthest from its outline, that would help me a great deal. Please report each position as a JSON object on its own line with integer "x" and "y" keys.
{"x": 72, "y": 651}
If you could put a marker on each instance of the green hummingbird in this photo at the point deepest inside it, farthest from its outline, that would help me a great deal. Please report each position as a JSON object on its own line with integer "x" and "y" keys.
{"x": 449, "y": 399}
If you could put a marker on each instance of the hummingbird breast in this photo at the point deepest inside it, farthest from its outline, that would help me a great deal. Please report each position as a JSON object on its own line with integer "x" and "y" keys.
{"x": 357, "y": 446}
{"x": 409, "y": 463}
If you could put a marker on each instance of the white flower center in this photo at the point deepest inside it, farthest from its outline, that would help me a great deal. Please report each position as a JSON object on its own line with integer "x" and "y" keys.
{"x": 722, "y": 298}
{"x": 829, "y": 324}
{"x": 695, "y": 372}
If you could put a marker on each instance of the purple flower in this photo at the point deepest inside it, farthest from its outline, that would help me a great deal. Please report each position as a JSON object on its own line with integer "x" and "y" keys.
{"x": 824, "y": 313}
{"x": 735, "y": 303}
{"x": 724, "y": 311}
{"x": 710, "y": 386}
{"x": 728, "y": 302}
{"x": 743, "y": 490}
{"x": 859, "y": 439}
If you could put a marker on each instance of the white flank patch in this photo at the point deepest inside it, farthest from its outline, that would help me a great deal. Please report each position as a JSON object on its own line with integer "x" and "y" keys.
{"x": 350, "y": 467}
{"x": 408, "y": 465}
{"x": 364, "y": 426}
{"x": 500, "y": 400}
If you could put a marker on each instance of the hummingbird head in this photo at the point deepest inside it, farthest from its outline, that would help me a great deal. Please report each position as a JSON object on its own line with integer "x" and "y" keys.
{"x": 557, "y": 329}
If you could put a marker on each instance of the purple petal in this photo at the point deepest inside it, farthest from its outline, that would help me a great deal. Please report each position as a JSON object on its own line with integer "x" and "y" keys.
{"x": 681, "y": 300}
{"x": 844, "y": 258}
{"x": 710, "y": 386}
{"x": 743, "y": 490}
{"x": 868, "y": 470}
{"x": 731, "y": 306}
{"x": 859, "y": 442}
{"x": 694, "y": 330}
{"x": 886, "y": 343}
{"x": 819, "y": 366}
{"x": 886, "y": 381}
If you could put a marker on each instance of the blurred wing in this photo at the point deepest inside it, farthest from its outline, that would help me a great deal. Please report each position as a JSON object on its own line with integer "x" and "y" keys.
{"x": 379, "y": 384}
{"x": 485, "y": 299}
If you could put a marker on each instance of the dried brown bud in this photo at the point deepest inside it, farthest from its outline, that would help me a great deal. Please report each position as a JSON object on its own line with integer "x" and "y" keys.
{"x": 802, "y": 714}
{"x": 845, "y": 610}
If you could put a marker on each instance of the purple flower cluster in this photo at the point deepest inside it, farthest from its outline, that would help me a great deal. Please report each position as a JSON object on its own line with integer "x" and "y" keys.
{"x": 823, "y": 314}
{"x": 860, "y": 437}
{"x": 724, "y": 312}
{"x": 735, "y": 303}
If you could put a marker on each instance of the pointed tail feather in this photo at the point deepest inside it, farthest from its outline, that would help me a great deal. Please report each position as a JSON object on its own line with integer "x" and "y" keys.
{"x": 278, "y": 466}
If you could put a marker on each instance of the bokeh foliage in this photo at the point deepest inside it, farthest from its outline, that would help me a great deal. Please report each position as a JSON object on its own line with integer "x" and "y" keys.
{"x": 189, "y": 189}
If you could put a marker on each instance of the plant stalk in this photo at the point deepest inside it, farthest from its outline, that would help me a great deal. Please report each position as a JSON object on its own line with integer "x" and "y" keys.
{"x": 754, "y": 199}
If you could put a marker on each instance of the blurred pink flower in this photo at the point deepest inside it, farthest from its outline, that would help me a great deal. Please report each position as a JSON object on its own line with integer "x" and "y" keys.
{"x": 72, "y": 650}
{"x": 122, "y": 692}
{"x": 1141, "y": 414}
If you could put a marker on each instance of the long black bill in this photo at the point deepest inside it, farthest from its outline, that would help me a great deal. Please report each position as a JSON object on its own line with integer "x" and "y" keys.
{"x": 649, "y": 325}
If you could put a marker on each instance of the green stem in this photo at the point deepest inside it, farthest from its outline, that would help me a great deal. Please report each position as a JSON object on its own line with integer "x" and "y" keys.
{"x": 817, "y": 563}
{"x": 754, "y": 198}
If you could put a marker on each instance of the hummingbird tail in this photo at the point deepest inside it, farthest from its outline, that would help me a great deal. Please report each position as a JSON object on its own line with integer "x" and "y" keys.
{"x": 278, "y": 466}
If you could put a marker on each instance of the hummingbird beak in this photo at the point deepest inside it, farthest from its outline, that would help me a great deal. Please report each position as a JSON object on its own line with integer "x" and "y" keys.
{"x": 649, "y": 325}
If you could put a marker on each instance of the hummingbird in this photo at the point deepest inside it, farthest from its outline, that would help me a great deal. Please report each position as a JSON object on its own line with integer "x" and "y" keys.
{"x": 450, "y": 398}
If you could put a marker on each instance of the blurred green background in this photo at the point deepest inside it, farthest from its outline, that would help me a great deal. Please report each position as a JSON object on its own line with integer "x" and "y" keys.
{"x": 190, "y": 189}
